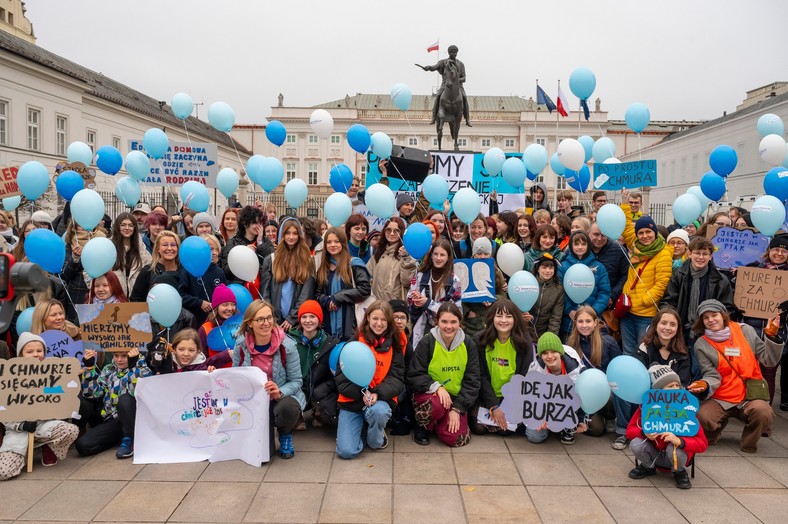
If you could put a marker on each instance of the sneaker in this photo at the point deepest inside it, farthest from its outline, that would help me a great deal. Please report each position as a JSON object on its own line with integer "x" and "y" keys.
{"x": 610, "y": 425}
{"x": 126, "y": 448}
{"x": 567, "y": 437}
{"x": 640, "y": 472}
{"x": 421, "y": 436}
{"x": 385, "y": 441}
{"x": 286, "y": 450}
{"x": 621, "y": 442}
{"x": 48, "y": 457}
{"x": 682, "y": 479}
{"x": 783, "y": 406}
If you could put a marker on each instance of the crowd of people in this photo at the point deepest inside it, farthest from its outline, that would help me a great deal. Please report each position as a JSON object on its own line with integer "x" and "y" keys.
{"x": 657, "y": 297}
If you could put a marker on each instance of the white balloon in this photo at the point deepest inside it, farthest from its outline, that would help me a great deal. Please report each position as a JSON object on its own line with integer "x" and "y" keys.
{"x": 612, "y": 160}
{"x": 243, "y": 262}
{"x": 322, "y": 123}
{"x": 572, "y": 154}
{"x": 511, "y": 258}
{"x": 773, "y": 149}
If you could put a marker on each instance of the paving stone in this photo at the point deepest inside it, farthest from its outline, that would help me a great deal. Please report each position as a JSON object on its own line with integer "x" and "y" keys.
{"x": 415, "y": 503}
{"x": 584, "y": 507}
{"x": 548, "y": 470}
{"x": 777, "y": 468}
{"x": 724, "y": 448}
{"x": 60, "y": 502}
{"x": 486, "y": 468}
{"x": 64, "y": 469}
{"x": 606, "y": 470}
{"x": 768, "y": 505}
{"x": 736, "y": 472}
{"x": 484, "y": 444}
{"x": 145, "y": 502}
{"x": 18, "y": 496}
{"x": 405, "y": 443}
{"x": 105, "y": 466}
{"x": 370, "y": 467}
{"x": 356, "y": 503}
{"x": 305, "y": 466}
{"x": 708, "y": 505}
{"x": 767, "y": 447}
{"x": 215, "y": 502}
{"x": 520, "y": 444}
{"x": 185, "y": 472}
{"x": 586, "y": 445}
{"x": 233, "y": 471}
{"x": 498, "y": 504}
{"x": 421, "y": 468}
{"x": 315, "y": 439}
{"x": 638, "y": 505}
{"x": 665, "y": 479}
{"x": 277, "y": 502}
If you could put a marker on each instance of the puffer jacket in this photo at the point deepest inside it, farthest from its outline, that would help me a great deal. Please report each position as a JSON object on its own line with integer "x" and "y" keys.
{"x": 653, "y": 280}
{"x": 110, "y": 383}
{"x": 599, "y": 296}
{"x": 391, "y": 274}
{"x": 532, "y": 254}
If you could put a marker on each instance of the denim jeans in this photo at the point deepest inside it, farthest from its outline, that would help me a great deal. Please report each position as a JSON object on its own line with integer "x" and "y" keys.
{"x": 536, "y": 435}
{"x": 633, "y": 329}
{"x": 624, "y": 413}
{"x": 350, "y": 424}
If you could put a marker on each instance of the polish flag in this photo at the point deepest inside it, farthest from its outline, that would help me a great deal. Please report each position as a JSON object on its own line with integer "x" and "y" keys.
{"x": 433, "y": 47}
{"x": 562, "y": 104}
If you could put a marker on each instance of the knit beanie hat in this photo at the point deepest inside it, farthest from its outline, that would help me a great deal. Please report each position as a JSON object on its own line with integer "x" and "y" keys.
{"x": 283, "y": 227}
{"x": 482, "y": 246}
{"x": 399, "y": 306}
{"x": 203, "y": 218}
{"x": 402, "y": 199}
{"x": 710, "y": 305}
{"x": 680, "y": 234}
{"x": 779, "y": 241}
{"x": 25, "y": 339}
{"x": 311, "y": 306}
{"x": 549, "y": 342}
{"x": 662, "y": 375}
{"x": 222, "y": 294}
{"x": 648, "y": 223}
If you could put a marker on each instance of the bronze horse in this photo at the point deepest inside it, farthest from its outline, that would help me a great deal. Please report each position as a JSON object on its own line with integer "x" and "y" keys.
{"x": 451, "y": 105}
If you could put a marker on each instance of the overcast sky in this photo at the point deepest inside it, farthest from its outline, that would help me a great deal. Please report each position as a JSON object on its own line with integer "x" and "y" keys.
{"x": 685, "y": 59}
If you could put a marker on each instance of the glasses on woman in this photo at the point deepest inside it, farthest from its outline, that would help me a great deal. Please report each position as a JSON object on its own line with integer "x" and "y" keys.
{"x": 264, "y": 320}
{"x": 169, "y": 244}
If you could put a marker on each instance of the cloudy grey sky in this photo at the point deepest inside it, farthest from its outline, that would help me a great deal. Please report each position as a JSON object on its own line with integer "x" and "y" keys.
{"x": 685, "y": 59}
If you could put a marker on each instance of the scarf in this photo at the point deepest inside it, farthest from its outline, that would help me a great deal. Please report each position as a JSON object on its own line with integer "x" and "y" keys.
{"x": 694, "y": 299}
{"x": 719, "y": 336}
{"x": 111, "y": 300}
{"x": 641, "y": 253}
{"x": 335, "y": 317}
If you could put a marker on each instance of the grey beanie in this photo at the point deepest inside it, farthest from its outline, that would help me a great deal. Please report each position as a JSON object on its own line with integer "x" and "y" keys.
{"x": 25, "y": 339}
{"x": 403, "y": 198}
{"x": 203, "y": 218}
{"x": 662, "y": 375}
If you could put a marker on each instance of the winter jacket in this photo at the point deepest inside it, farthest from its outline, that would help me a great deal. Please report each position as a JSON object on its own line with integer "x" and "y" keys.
{"x": 572, "y": 363}
{"x": 713, "y": 285}
{"x": 613, "y": 256}
{"x": 391, "y": 274}
{"x": 690, "y": 445}
{"x": 487, "y": 397}
{"x": 423, "y": 318}
{"x": 599, "y": 296}
{"x": 681, "y": 364}
{"x": 196, "y": 290}
{"x": 530, "y": 202}
{"x": 110, "y": 383}
{"x": 532, "y": 254}
{"x": 346, "y": 298}
{"x": 388, "y": 389}
{"x": 610, "y": 350}
{"x": 129, "y": 278}
{"x": 263, "y": 250}
{"x": 319, "y": 387}
{"x": 271, "y": 290}
{"x": 549, "y": 308}
{"x": 286, "y": 372}
{"x": 144, "y": 283}
{"x": 75, "y": 279}
{"x": 363, "y": 251}
{"x": 420, "y": 381}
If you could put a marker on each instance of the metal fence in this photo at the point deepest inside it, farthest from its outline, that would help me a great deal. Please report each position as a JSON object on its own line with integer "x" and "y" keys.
{"x": 659, "y": 212}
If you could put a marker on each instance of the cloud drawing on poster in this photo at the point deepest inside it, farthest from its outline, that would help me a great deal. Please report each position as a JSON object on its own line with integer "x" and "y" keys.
{"x": 89, "y": 312}
{"x": 141, "y": 322}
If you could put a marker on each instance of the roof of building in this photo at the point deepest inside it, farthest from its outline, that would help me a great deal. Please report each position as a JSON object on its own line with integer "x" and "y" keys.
{"x": 383, "y": 101}
{"x": 113, "y": 91}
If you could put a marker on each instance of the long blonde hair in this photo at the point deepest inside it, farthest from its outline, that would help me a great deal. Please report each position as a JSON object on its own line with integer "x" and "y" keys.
{"x": 155, "y": 256}
{"x": 596, "y": 336}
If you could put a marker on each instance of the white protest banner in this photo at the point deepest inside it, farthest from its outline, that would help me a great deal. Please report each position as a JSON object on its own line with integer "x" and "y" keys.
{"x": 35, "y": 389}
{"x": 196, "y": 416}
{"x": 538, "y": 398}
{"x": 182, "y": 163}
{"x": 477, "y": 277}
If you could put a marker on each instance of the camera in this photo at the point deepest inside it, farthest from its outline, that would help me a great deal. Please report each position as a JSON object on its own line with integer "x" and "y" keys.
{"x": 14, "y": 279}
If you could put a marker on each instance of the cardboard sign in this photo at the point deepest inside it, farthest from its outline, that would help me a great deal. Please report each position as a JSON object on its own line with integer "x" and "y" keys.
{"x": 8, "y": 185}
{"x": 196, "y": 416}
{"x": 477, "y": 277}
{"x": 60, "y": 345}
{"x": 736, "y": 247}
{"x": 114, "y": 327}
{"x": 182, "y": 163}
{"x": 88, "y": 174}
{"x": 33, "y": 389}
{"x": 759, "y": 291}
{"x": 610, "y": 177}
{"x": 537, "y": 398}
{"x": 671, "y": 410}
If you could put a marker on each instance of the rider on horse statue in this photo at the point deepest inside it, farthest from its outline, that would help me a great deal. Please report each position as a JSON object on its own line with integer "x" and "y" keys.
{"x": 441, "y": 67}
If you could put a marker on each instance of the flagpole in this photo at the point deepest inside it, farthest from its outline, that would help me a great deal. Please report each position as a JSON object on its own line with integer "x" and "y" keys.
{"x": 536, "y": 109}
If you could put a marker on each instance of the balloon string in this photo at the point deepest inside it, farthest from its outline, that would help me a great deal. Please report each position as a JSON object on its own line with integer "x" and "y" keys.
{"x": 202, "y": 283}
{"x": 60, "y": 277}
{"x": 408, "y": 121}
{"x": 188, "y": 138}
{"x": 238, "y": 155}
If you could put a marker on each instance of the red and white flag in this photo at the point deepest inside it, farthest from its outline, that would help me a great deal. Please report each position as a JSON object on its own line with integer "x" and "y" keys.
{"x": 562, "y": 104}
{"x": 434, "y": 47}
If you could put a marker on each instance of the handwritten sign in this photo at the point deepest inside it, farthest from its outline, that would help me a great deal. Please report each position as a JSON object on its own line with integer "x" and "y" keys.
{"x": 35, "y": 389}
{"x": 641, "y": 173}
{"x": 8, "y": 185}
{"x": 88, "y": 174}
{"x": 196, "y": 416}
{"x": 60, "y": 345}
{"x": 673, "y": 410}
{"x": 736, "y": 247}
{"x": 537, "y": 398}
{"x": 477, "y": 277}
{"x": 182, "y": 163}
{"x": 114, "y": 327}
{"x": 759, "y": 291}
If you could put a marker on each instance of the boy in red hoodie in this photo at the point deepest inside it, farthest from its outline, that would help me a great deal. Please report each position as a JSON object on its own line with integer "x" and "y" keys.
{"x": 663, "y": 450}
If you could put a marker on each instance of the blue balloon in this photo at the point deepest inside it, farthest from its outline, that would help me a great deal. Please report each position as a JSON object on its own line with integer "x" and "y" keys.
{"x": 401, "y": 96}
{"x": 11, "y": 203}
{"x": 358, "y": 138}
{"x": 337, "y": 209}
{"x": 381, "y": 145}
{"x": 24, "y": 322}
{"x": 579, "y": 283}
{"x": 493, "y": 160}
{"x": 603, "y": 149}
{"x": 138, "y": 165}
{"x": 578, "y": 180}
{"x": 698, "y": 192}
{"x": 357, "y": 363}
{"x": 380, "y": 201}
{"x": 535, "y": 158}
{"x": 592, "y": 388}
{"x": 221, "y": 116}
{"x": 164, "y": 304}
{"x": 775, "y": 183}
{"x": 227, "y": 181}
{"x": 530, "y": 176}
{"x": 628, "y": 378}
{"x": 637, "y": 117}
{"x": 79, "y": 152}
{"x": 87, "y": 209}
{"x": 333, "y": 358}
{"x": 767, "y": 214}
{"x": 242, "y": 297}
{"x": 275, "y": 132}
{"x": 556, "y": 165}
{"x": 713, "y": 186}
{"x": 296, "y": 192}
{"x": 195, "y": 255}
{"x": 155, "y": 142}
{"x": 435, "y": 189}
{"x": 686, "y": 209}
{"x": 68, "y": 183}
{"x": 588, "y": 144}
{"x": 514, "y": 171}
{"x": 32, "y": 179}
{"x": 182, "y": 105}
{"x": 128, "y": 190}
{"x": 272, "y": 173}
{"x": 98, "y": 256}
{"x": 45, "y": 248}
{"x": 723, "y": 160}
{"x": 254, "y": 168}
{"x": 220, "y": 339}
{"x": 770, "y": 124}
{"x": 611, "y": 221}
{"x": 467, "y": 205}
{"x": 109, "y": 160}
{"x": 523, "y": 290}
{"x": 582, "y": 82}
{"x": 195, "y": 196}
{"x": 340, "y": 177}
{"x": 417, "y": 240}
